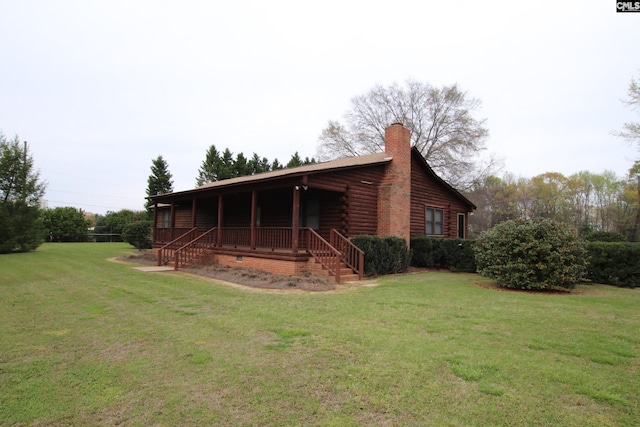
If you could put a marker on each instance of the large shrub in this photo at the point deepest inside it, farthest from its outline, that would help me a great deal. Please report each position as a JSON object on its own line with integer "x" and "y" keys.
{"x": 65, "y": 224}
{"x": 138, "y": 234}
{"x": 531, "y": 254}
{"x": 452, "y": 254}
{"x": 383, "y": 255}
{"x": 614, "y": 263}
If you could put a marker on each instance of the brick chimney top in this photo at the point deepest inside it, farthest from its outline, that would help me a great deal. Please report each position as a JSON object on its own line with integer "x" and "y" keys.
{"x": 397, "y": 140}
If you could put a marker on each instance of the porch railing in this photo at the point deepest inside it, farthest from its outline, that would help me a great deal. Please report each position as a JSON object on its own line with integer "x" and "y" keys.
{"x": 195, "y": 248}
{"x": 166, "y": 235}
{"x": 279, "y": 238}
{"x": 273, "y": 238}
{"x": 324, "y": 253}
{"x": 167, "y": 252}
{"x": 351, "y": 254}
{"x": 334, "y": 255}
{"x": 235, "y": 237}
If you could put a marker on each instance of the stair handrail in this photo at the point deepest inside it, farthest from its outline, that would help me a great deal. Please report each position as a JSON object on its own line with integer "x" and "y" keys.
{"x": 352, "y": 255}
{"x": 322, "y": 251}
{"x": 196, "y": 247}
{"x": 166, "y": 252}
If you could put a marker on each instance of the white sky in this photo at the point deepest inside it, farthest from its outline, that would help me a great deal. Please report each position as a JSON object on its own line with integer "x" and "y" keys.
{"x": 100, "y": 88}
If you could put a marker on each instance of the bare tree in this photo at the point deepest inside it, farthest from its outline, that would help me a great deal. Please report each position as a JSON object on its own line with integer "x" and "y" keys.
{"x": 441, "y": 122}
{"x": 631, "y": 133}
{"x": 631, "y": 130}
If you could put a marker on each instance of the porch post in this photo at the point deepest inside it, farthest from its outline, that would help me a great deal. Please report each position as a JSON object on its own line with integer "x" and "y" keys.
{"x": 295, "y": 221}
{"x": 173, "y": 220}
{"x": 220, "y": 215}
{"x": 154, "y": 235}
{"x": 194, "y": 207}
{"x": 254, "y": 209}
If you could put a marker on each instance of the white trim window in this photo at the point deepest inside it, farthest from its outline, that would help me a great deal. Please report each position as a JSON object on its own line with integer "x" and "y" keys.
{"x": 461, "y": 225}
{"x": 166, "y": 219}
{"x": 434, "y": 222}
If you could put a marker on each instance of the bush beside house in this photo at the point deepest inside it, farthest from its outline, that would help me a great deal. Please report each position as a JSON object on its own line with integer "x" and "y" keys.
{"x": 138, "y": 234}
{"x": 383, "y": 255}
{"x": 452, "y": 254}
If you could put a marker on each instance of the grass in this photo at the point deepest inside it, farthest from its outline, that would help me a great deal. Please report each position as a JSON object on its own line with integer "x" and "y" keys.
{"x": 85, "y": 341}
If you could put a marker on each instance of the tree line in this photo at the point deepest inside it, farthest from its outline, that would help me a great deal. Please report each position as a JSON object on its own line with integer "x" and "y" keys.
{"x": 586, "y": 201}
{"x": 445, "y": 129}
{"x": 218, "y": 166}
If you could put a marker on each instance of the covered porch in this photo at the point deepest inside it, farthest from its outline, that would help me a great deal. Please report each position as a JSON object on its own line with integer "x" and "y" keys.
{"x": 282, "y": 230}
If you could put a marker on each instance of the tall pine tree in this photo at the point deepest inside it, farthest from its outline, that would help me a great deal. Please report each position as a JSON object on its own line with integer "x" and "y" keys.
{"x": 208, "y": 171}
{"x": 159, "y": 182}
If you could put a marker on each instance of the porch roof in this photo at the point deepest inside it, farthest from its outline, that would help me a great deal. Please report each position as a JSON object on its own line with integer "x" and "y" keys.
{"x": 345, "y": 163}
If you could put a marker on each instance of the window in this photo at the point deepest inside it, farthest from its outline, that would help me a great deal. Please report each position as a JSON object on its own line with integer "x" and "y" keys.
{"x": 311, "y": 214}
{"x": 166, "y": 219}
{"x": 461, "y": 226}
{"x": 434, "y": 222}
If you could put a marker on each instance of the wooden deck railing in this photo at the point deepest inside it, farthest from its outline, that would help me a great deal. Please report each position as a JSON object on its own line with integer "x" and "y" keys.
{"x": 195, "y": 248}
{"x": 324, "y": 253}
{"x": 334, "y": 255}
{"x": 235, "y": 237}
{"x": 166, "y": 235}
{"x": 279, "y": 238}
{"x": 351, "y": 254}
{"x": 274, "y": 237}
{"x": 166, "y": 253}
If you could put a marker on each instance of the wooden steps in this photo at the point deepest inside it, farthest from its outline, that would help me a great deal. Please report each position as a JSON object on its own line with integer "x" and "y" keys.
{"x": 346, "y": 273}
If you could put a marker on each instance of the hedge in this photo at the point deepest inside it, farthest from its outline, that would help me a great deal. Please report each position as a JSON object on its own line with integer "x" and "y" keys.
{"x": 383, "y": 255}
{"x": 452, "y": 254}
{"x": 614, "y": 263}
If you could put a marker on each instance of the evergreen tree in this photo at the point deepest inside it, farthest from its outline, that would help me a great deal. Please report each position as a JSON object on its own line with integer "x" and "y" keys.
{"x": 208, "y": 171}
{"x": 227, "y": 167}
{"x": 241, "y": 166}
{"x": 264, "y": 165}
{"x": 295, "y": 161}
{"x": 254, "y": 164}
{"x": 276, "y": 165}
{"x": 159, "y": 182}
{"x": 20, "y": 194}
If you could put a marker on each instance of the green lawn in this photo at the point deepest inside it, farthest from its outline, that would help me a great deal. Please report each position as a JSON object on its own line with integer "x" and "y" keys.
{"x": 85, "y": 341}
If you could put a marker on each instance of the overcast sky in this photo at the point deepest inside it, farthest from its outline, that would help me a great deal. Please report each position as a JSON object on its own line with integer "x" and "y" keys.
{"x": 100, "y": 88}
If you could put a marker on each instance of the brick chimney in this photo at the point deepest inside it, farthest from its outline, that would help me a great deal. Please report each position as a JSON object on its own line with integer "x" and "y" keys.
{"x": 394, "y": 194}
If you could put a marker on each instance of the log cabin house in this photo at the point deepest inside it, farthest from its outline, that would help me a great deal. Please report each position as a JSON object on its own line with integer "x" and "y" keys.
{"x": 299, "y": 220}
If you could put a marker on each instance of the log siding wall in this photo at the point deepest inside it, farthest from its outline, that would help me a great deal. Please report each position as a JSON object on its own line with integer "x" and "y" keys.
{"x": 428, "y": 193}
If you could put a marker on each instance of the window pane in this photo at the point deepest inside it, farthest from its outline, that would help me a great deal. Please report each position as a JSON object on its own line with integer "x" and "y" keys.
{"x": 434, "y": 221}
{"x": 438, "y": 222}
{"x": 166, "y": 219}
{"x": 312, "y": 211}
{"x": 461, "y": 226}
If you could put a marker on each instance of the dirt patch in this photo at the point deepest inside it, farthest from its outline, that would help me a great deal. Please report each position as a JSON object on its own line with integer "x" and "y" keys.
{"x": 495, "y": 287}
{"x": 245, "y": 276}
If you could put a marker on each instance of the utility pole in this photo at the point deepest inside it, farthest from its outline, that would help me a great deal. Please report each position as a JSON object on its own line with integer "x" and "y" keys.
{"x": 637, "y": 225}
{"x": 24, "y": 173}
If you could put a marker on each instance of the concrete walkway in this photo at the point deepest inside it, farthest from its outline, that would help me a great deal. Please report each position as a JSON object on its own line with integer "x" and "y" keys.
{"x": 154, "y": 269}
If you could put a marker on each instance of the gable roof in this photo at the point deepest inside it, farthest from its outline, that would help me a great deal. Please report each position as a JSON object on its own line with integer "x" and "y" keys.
{"x": 345, "y": 163}
{"x": 415, "y": 153}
